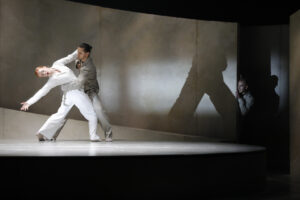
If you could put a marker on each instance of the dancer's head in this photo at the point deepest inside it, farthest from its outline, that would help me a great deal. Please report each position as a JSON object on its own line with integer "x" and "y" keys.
{"x": 42, "y": 71}
{"x": 242, "y": 86}
{"x": 84, "y": 51}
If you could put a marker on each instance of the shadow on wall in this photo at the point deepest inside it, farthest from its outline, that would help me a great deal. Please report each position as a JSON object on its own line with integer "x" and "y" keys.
{"x": 205, "y": 77}
{"x": 145, "y": 75}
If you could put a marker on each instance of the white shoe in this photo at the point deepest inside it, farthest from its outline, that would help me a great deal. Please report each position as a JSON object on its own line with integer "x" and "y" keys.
{"x": 108, "y": 136}
{"x": 95, "y": 138}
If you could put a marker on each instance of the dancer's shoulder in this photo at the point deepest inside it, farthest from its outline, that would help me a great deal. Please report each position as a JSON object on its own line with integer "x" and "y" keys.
{"x": 61, "y": 68}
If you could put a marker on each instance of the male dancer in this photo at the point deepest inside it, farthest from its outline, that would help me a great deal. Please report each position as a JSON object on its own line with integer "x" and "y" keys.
{"x": 61, "y": 75}
{"x": 88, "y": 81}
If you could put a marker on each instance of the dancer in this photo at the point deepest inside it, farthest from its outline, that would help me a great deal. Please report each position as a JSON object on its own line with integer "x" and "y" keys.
{"x": 59, "y": 74}
{"x": 88, "y": 81}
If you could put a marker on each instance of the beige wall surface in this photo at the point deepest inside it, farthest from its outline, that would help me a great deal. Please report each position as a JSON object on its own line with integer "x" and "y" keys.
{"x": 155, "y": 72}
{"x": 294, "y": 95}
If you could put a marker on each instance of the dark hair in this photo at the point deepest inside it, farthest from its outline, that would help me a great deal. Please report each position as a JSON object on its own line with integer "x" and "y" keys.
{"x": 243, "y": 79}
{"x": 86, "y": 47}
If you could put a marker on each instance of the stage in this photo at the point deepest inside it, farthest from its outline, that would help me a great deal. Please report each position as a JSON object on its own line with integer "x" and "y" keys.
{"x": 119, "y": 148}
{"x": 135, "y": 169}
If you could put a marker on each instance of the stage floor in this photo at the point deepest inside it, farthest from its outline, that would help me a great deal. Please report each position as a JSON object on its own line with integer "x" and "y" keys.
{"x": 119, "y": 148}
{"x": 133, "y": 169}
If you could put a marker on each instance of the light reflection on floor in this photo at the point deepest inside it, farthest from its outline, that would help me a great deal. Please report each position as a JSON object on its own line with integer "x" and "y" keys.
{"x": 117, "y": 148}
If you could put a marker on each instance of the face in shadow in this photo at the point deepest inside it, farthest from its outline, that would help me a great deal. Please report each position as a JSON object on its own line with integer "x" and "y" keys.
{"x": 242, "y": 87}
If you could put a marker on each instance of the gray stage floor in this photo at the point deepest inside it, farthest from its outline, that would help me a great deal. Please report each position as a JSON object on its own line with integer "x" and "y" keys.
{"x": 118, "y": 148}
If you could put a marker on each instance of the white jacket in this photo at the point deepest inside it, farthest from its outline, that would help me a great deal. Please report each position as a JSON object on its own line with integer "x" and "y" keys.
{"x": 64, "y": 78}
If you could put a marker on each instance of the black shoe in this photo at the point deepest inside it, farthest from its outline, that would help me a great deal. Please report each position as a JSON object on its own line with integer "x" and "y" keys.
{"x": 42, "y": 138}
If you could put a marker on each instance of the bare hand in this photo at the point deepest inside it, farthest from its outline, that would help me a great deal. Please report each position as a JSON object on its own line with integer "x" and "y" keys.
{"x": 25, "y": 106}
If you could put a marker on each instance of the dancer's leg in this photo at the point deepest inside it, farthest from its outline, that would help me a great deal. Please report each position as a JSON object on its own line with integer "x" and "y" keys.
{"x": 102, "y": 117}
{"x": 56, "y": 121}
{"x": 84, "y": 104}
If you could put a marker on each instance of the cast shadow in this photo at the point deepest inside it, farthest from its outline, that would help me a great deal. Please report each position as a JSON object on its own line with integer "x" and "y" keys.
{"x": 204, "y": 77}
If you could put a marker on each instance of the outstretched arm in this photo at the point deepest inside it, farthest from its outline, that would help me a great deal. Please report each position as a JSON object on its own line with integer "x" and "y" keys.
{"x": 68, "y": 59}
{"x": 37, "y": 96}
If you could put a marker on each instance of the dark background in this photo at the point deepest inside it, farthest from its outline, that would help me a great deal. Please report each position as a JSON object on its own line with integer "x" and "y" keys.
{"x": 243, "y": 12}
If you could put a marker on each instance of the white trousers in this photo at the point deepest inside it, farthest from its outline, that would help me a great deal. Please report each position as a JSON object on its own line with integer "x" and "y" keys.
{"x": 100, "y": 112}
{"x": 55, "y": 122}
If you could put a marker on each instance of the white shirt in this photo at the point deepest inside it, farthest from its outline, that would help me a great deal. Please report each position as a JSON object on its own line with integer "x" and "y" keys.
{"x": 63, "y": 78}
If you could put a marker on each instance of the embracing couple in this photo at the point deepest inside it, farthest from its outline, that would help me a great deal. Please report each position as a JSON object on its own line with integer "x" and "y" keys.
{"x": 81, "y": 91}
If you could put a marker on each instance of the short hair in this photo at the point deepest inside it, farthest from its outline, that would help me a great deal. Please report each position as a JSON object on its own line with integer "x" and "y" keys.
{"x": 36, "y": 71}
{"x": 242, "y": 79}
{"x": 86, "y": 47}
